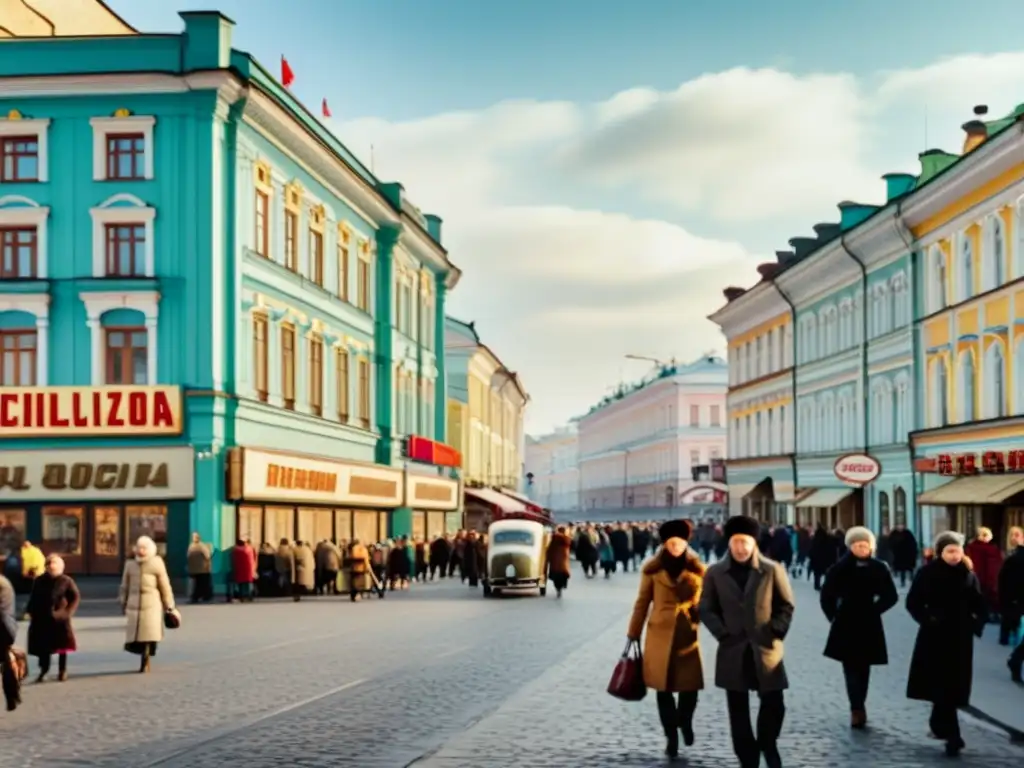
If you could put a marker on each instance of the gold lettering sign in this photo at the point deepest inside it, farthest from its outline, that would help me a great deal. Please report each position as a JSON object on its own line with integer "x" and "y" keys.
{"x": 296, "y": 479}
{"x": 432, "y": 492}
{"x": 82, "y": 475}
{"x": 360, "y": 485}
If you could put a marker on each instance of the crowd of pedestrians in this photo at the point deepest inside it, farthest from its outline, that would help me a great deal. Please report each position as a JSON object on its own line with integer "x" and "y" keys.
{"x": 741, "y": 592}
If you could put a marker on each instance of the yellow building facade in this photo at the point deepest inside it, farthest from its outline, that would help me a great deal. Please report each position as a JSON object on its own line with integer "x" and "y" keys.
{"x": 486, "y": 406}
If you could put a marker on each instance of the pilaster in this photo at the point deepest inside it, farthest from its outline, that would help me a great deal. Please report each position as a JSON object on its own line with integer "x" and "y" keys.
{"x": 441, "y": 382}
{"x": 383, "y": 363}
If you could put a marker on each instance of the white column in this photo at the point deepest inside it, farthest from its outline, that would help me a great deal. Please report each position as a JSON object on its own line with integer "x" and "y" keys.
{"x": 42, "y": 350}
{"x": 96, "y": 337}
{"x": 151, "y": 368}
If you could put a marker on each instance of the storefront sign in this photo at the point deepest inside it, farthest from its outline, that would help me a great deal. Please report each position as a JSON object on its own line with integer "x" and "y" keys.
{"x": 431, "y": 452}
{"x": 857, "y": 469}
{"x": 78, "y": 411}
{"x": 431, "y": 493}
{"x": 115, "y": 474}
{"x": 990, "y": 463}
{"x": 286, "y": 477}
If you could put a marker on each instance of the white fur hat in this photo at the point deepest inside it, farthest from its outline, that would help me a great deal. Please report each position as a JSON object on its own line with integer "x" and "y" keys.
{"x": 145, "y": 547}
{"x": 860, "y": 533}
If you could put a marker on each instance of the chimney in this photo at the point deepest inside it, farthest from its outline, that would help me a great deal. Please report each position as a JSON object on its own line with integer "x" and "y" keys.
{"x": 784, "y": 257}
{"x": 732, "y": 293}
{"x": 433, "y": 226}
{"x": 976, "y": 131}
{"x": 803, "y": 246}
{"x": 851, "y": 214}
{"x": 898, "y": 184}
{"x": 206, "y": 43}
{"x": 826, "y": 231}
{"x": 767, "y": 270}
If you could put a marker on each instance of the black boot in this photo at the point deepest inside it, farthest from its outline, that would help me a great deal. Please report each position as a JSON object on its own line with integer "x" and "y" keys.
{"x": 62, "y": 667}
{"x": 669, "y": 723}
{"x": 144, "y": 663}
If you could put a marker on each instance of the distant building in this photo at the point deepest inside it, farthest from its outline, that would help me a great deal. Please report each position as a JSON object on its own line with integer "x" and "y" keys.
{"x": 552, "y": 471}
{"x": 60, "y": 18}
{"x": 647, "y": 448}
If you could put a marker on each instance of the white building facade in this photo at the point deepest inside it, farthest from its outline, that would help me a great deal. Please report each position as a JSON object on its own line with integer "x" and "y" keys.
{"x": 552, "y": 476}
{"x": 642, "y": 448}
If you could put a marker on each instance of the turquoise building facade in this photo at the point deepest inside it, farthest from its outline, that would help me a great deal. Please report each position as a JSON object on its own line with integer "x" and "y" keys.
{"x": 178, "y": 229}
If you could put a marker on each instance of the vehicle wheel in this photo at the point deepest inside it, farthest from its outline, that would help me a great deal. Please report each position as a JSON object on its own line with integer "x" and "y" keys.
{"x": 543, "y": 591}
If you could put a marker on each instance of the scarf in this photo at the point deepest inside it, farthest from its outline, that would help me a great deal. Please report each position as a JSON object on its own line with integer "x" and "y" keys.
{"x": 672, "y": 565}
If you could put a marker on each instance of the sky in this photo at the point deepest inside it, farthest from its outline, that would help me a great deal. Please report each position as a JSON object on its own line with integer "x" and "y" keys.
{"x": 605, "y": 169}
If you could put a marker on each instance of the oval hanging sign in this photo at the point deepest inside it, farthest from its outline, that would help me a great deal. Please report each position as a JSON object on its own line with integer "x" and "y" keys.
{"x": 857, "y": 469}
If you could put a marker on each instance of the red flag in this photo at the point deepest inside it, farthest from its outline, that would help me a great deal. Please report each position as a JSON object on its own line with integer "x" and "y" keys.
{"x": 287, "y": 76}
{"x": 326, "y": 110}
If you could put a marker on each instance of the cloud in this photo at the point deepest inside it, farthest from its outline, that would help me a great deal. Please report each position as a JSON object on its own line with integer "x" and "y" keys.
{"x": 540, "y": 201}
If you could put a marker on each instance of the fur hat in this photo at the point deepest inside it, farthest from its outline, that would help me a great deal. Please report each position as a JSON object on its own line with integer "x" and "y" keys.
{"x": 946, "y": 539}
{"x": 679, "y": 529}
{"x": 860, "y": 533}
{"x": 741, "y": 525}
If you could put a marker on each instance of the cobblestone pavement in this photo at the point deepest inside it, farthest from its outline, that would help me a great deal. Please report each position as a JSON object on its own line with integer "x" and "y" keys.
{"x": 434, "y": 678}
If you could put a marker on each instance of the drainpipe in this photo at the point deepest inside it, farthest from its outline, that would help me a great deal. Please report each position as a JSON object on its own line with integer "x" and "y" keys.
{"x": 864, "y": 336}
{"x": 796, "y": 410}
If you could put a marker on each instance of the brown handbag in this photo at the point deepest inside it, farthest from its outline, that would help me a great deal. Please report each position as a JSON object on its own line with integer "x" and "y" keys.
{"x": 627, "y": 681}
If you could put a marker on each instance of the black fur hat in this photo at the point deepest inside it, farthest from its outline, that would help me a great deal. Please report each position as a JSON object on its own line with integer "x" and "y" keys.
{"x": 670, "y": 529}
{"x": 741, "y": 525}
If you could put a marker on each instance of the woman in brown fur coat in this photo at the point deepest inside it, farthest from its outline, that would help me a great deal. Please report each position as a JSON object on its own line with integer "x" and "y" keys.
{"x": 670, "y": 587}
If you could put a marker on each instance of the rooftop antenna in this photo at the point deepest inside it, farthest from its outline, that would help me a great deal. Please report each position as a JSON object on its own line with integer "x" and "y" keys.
{"x": 372, "y": 163}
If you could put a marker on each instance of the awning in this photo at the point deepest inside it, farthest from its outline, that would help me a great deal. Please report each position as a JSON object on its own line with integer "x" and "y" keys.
{"x": 525, "y": 500}
{"x": 763, "y": 488}
{"x": 824, "y": 498}
{"x": 975, "y": 489}
{"x": 494, "y": 499}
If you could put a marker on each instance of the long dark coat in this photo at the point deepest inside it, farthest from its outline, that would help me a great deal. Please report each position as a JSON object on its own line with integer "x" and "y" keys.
{"x": 904, "y": 550}
{"x": 53, "y": 602}
{"x": 672, "y": 659}
{"x": 749, "y": 625}
{"x": 823, "y": 552}
{"x": 559, "y": 559}
{"x": 946, "y": 602}
{"x": 855, "y": 595}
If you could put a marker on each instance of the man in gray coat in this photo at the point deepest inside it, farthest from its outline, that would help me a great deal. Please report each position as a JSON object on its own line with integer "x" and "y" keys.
{"x": 8, "y": 634}
{"x": 747, "y": 605}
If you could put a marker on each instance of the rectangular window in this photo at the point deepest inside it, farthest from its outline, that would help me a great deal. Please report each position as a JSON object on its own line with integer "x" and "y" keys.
{"x": 126, "y": 355}
{"x": 17, "y": 358}
{"x": 291, "y": 240}
{"x": 126, "y": 156}
{"x": 716, "y": 416}
{"x": 694, "y": 458}
{"x": 343, "y": 266}
{"x": 288, "y": 366}
{"x": 259, "y": 356}
{"x": 316, "y": 375}
{"x": 126, "y": 250}
{"x": 20, "y": 251}
{"x": 364, "y": 394}
{"x": 263, "y": 223}
{"x": 363, "y": 285}
{"x": 19, "y": 158}
{"x": 316, "y": 257}
{"x": 694, "y": 415}
{"x": 341, "y": 374}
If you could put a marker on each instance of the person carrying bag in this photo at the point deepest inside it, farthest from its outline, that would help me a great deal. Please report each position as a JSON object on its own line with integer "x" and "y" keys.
{"x": 627, "y": 681}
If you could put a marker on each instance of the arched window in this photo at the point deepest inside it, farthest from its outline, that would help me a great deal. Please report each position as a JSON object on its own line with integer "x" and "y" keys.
{"x": 995, "y": 381}
{"x": 994, "y": 255}
{"x": 939, "y": 405}
{"x": 939, "y": 288}
{"x": 899, "y": 497}
{"x": 966, "y": 267}
{"x": 966, "y": 387}
{"x": 883, "y": 510}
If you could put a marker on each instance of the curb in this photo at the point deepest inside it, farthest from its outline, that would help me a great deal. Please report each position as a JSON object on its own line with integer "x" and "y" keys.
{"x": 1015, "y": 735}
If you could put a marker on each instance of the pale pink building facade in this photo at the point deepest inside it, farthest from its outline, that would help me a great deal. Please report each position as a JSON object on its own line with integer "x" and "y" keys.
{"x": 638, "y": 449}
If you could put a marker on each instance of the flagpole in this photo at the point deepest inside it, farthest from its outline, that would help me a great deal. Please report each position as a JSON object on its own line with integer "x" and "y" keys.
{"x": 372, "y": 170}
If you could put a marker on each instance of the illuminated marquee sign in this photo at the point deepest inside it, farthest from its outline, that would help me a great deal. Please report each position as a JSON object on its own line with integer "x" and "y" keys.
{"x": 89, "y": 411}
{"x": 991, "y": 463}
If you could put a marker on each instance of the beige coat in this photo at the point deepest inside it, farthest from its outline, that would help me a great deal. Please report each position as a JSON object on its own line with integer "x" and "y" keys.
{"x": 145, "y": 596}
{"x": 305, "y": 567}
{"x": 668, "y": 607}
{"x": 200, "y": 559}
{"x": 758, "y": 618}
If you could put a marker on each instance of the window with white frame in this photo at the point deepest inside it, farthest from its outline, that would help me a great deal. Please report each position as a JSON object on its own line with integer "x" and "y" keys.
{"x": 123, "y": 331}
{"x": 23, "y": 239}
{"x": 993, "y": 263}
{"x": 901, "y": 300}
{"x": 122, "y": 147}
{"x": 901, "y": 414}
{"x": 966, "y": 378}
{"x": 122, "y": 238}
{"x": 939, "y": 279}
{"x": 939, "y": 405}
{"x": 966, "y": 267}
{"x": 994, "y": 381}
{"x": 24, "y": 149}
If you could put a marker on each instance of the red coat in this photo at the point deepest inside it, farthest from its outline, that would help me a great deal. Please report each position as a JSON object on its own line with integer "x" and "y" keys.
{"x": 987, "y": 560}
{"x": 243, "y": 564}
